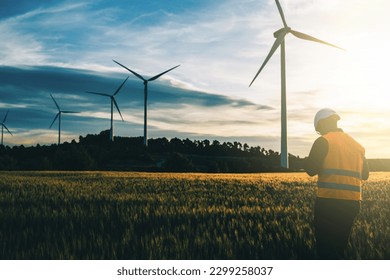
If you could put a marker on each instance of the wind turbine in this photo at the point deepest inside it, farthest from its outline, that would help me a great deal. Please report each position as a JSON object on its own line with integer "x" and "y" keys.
{"x": 59, "y": 118}
{"x": 4, "y": 126}
{"x": 279, "y": 35}
{"x": 113, "y": 102}
{"x": 146, "y": 95}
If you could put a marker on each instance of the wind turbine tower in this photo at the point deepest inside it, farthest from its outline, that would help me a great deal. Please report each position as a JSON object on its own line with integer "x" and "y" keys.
{"x": 113, "y": 102}
{"x": 146, "y": 95}
{"x": 4, "y": 126}
{"x": 60, "y": 112}
{"x": 280, "y": 35}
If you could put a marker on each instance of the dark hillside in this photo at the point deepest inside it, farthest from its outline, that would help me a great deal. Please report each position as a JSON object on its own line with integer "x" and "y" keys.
{"x": 96, "y": 152}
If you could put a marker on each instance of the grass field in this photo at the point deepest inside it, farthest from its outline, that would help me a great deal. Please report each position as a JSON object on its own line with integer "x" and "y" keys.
{"x": 119, "y": 215}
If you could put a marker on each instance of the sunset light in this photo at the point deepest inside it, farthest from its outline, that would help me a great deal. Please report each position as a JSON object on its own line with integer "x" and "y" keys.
{"x": 203, "y": 139}
{"x": 220, "y": 45}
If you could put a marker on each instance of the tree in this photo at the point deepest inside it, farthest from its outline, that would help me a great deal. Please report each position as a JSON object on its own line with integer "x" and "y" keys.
{"x": 178, "y": 163}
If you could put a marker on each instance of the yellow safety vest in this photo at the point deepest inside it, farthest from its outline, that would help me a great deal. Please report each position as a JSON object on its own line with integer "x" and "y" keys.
{"x": 340, "y": 177}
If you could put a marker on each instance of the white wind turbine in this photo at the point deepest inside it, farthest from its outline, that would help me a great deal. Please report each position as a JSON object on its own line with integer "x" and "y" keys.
{"x": 146, "y": 95}
{"x": 4, "y": 126}
{"x": 113, "y": 102}
{"x": 279, "y": 35}
{"x": 59, "y": 118}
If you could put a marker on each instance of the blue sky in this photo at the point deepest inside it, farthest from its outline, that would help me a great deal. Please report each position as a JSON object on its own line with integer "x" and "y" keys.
{"x": 65, "y": 48}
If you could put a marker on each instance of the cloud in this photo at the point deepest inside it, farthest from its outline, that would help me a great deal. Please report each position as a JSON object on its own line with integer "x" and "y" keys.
{"x": 34, "y": 37}
{"x": 26, "y": 91}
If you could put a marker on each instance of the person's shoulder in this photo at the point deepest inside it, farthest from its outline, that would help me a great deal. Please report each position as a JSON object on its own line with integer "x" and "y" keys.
{"x": 321, "y": 141}
{"x": 351, "y": 138}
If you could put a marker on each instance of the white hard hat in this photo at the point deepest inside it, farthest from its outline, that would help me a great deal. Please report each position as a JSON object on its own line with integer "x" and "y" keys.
{"x": 324, "y": 114}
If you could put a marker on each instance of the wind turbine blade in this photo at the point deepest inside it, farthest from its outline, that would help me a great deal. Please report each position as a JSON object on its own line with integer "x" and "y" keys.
{"x": 311, "y": 38}
{"x": 159, "y": 75}
{"x": 275, "y": 46}
{"x": 119, "y": 88}
{"x": 58, "y": 107}
{"x": 7, "y": 129}
{"x": 5, "y": 118}
{"x": 116, "y": 105}
{"x": 70, "y": 112}
{"x": 98, "y": 93}
{"x": 281, "y": 13}
{"x": 134, "y": 73}
{"x": 55, "y": 118}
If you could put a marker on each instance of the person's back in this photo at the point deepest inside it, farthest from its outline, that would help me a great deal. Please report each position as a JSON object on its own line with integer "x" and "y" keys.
{"x": 341, "y": 173}
{"x": 339, "y": 162}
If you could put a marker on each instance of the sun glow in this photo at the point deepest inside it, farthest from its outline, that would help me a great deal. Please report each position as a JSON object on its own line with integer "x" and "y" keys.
{"x": 354, "y": 81}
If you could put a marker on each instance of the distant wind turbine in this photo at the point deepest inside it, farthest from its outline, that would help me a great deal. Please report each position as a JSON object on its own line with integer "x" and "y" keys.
{"x": 59, "y": 118}
{"x": 146, "y": 95}
{"x": 4, "y": 126}
{"x": 279, "y": 35}
{"x": 113, "y": 102}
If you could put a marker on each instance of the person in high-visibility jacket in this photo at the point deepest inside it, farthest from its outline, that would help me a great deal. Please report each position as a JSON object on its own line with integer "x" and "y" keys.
{"x": 340, "y": 163}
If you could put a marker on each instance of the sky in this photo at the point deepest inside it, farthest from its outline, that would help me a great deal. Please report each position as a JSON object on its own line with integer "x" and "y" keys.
{"x": 67, "y": 47}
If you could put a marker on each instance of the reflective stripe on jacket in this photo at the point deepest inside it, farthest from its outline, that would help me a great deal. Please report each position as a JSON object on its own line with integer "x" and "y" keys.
{"x": 340, "y": 177}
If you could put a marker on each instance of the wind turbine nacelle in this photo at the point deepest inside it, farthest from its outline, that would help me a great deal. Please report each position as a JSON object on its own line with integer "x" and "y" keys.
{"x": 280, "y": 32}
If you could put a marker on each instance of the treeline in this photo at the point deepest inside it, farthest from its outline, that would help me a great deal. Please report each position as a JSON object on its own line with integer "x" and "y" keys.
{"x": 96, "y": 152}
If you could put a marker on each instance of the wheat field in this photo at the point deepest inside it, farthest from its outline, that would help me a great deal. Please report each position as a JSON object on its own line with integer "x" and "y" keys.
{"x": 127, "y": 215}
